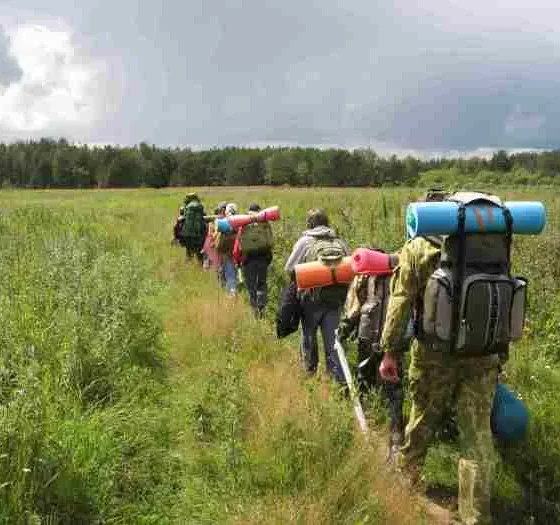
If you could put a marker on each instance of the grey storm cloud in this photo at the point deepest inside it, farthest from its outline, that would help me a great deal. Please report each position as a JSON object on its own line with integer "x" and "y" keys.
{"x": 440, "y": 76}
{"x": 9, "y": 68}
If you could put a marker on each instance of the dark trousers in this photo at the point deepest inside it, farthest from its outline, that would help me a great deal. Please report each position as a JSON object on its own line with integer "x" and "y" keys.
{"x": 255, "y": 272}
{"x": 325, "y": 317}
{"x": 194, "y": 249}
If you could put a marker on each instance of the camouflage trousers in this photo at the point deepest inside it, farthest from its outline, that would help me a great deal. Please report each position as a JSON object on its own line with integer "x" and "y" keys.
{"x": 436, "y": 378}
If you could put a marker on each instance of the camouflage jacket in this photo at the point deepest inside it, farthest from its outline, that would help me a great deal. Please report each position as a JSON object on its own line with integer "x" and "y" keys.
{"x": 418, "y": 259}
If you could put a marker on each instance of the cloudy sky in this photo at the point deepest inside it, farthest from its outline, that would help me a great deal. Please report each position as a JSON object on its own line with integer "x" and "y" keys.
{"x": 451, "y": 75}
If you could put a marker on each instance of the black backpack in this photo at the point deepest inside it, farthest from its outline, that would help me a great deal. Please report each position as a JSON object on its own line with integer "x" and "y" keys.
{"x": 289, "y": 311}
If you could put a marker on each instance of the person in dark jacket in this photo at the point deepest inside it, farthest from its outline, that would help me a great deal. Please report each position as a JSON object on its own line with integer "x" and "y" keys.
{"x": 253, "y": 253}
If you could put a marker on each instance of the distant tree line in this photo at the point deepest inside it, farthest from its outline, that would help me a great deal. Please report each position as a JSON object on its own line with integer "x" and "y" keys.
{"x": 51, "y": 163}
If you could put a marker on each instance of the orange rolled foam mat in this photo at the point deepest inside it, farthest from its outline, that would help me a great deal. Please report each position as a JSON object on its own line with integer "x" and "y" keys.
{"x": 316, "y": 274}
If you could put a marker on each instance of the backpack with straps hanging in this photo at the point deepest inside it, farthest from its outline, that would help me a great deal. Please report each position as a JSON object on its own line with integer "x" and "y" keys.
{"x": 374, "y": 310}
{"x": 472, "y": 305}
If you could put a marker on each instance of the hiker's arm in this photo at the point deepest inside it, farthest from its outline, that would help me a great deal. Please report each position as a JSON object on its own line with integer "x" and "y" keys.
{"x": 404, "y": 286}
{"x": 296, "y": 255}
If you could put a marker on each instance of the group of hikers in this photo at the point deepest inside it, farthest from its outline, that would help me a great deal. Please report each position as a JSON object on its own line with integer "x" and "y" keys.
{"x": 388, "y": 316}
{"x": 244, "y": 254}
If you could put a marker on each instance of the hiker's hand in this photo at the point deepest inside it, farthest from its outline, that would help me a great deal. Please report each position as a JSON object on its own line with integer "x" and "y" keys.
{"x": 389, "y": 368}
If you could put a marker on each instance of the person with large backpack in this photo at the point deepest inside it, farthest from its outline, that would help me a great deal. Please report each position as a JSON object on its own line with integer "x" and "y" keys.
{"x": 194, "y": 227}
{"x": 252, "y": 251}
{"x": 212, "y": 259}
{"x": 320, "y": 307}
{"x": 223, "y": 244}
{"x": 363, "y": 320}
{"x": 466, "y": 310}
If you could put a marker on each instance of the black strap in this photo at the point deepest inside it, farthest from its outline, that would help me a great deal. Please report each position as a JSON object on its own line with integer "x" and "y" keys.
{"x": 458, "y": 274}
{"x": 509, "y": 236}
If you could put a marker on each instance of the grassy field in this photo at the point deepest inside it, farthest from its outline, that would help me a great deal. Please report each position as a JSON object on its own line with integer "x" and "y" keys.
{"x": 132, "y": 391}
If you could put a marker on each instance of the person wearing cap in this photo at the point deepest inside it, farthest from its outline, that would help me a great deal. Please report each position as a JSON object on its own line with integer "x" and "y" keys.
{"x": 435, "y": 378}
{"x": 321, "y": 307}
{"x": 223, "y": 243}
{"x": 193, "y": 227}
{"x": 220, "y": 210}
{"x": 252, "y": 251}
{"x": 212, "y": 259}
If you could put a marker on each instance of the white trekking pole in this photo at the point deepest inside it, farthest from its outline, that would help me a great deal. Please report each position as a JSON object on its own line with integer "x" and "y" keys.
{"x": 360, "y": 416}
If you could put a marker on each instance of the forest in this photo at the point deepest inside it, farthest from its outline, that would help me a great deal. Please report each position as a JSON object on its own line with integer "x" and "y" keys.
{"x": 50, "y": 163}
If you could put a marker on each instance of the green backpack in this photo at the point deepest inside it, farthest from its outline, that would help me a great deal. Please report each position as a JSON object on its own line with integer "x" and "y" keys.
{"x": 194, "y": 226}
{"x": 374, "y": 310}
{"x": 330, "y": 251}
{"x": 256, "y": 237}
{"x": 472, "y": 305}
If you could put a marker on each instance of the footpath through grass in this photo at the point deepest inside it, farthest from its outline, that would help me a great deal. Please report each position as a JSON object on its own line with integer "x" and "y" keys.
{"x": 261, "y": 444}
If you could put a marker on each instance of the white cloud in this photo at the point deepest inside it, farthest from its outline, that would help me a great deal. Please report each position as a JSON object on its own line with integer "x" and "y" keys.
{"x": 59, "y": 89}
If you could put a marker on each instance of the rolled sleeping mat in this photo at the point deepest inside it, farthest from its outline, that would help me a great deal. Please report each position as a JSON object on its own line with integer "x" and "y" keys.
{"x": 224, "y": 226}
{"x": 268, "y": 214}
{"x": 509, "y": 418}
{"x": 373, "y": 262}
{"x": 441, "y": 218}
{"x": 316, "y": 274}
{"x": 238, "y": 221}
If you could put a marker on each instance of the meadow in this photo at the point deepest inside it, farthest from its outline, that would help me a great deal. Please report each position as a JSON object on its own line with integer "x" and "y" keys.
{"x": 132, "y": 391}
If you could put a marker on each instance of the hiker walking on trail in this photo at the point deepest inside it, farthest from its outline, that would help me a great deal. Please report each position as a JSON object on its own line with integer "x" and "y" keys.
{"x": 320, "y": 307}
{"x": 211, "y": 257}
{"x": 194, "y": 227}
{"x": 223, "y": 243}
{"x": 441, "y": 367}
{"x": 253, "y": 253}
{"x": 363, "y": 319}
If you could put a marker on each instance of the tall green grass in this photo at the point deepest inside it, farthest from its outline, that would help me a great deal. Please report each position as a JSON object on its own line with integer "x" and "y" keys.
{"x": 131, "y": 391}
{"x": 82, "y": 365}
